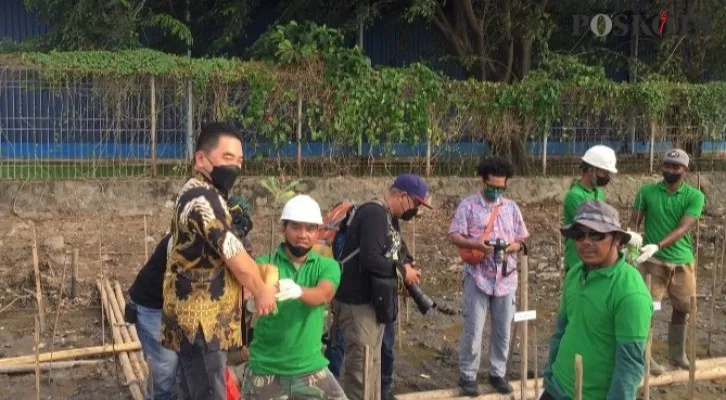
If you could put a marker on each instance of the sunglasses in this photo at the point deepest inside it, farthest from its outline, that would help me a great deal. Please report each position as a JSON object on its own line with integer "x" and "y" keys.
{"x": 594, "y": 236}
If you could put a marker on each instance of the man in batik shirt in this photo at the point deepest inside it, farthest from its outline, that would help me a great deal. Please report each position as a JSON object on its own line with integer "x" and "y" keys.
{"x": 206, "y": 267}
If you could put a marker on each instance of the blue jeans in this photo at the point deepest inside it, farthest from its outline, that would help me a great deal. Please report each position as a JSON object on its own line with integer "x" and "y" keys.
{"x": 163, "y": 362}
{"x": 335, "y": 354}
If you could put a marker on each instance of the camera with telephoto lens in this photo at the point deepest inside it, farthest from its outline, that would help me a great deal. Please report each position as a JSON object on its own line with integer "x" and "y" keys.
{"x": 422, "y": 300}
{"x": 499, "y": 246}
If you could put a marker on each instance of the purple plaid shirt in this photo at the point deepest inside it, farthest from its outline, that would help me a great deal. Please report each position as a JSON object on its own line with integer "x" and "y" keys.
{"x": 470, "y": 221}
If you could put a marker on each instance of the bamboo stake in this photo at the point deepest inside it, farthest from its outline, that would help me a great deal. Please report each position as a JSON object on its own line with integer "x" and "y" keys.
{"x": 714, "y": 288}
{"x": 74, "y": 275}
{"x": 119, "y": 327}
{"x": 25, "y": 368}
{"x": 692, "y": 348}
{"x": 146, "y": 242}
{"x": 123, "y": 357}
{"x": 103, "y": 311}
{"x": 57, "y": 313}
{"x": 534, "y": 337}
{"x": 131, "y": 328}
{"x": 72, "y": 354}
{"x": 578, "y": 377}
{"x": 366, "y": 373}
{"x": 37, "y": 358}
{"x": 648, "y": 350}
{"x": 525, "y": 324}
{"x": 38, "y": 288}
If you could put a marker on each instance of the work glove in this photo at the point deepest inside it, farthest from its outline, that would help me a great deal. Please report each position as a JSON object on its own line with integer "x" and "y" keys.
{"x": 647, "y": 252}
{"x": 636, "y": 239}
{"x": 288, "y": 290}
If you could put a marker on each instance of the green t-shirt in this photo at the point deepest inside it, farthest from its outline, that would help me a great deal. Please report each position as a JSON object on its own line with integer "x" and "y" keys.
{"x": 290, "y": 341}
{"x": 603, "y": 307}
{"x": 574, "y": 197}
{"x": 663, "y": 211}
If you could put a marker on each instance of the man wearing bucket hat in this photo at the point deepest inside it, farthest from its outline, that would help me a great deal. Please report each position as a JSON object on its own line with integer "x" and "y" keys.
{"x": 604, "y": 315}
{"x": 670, "y": 209}
{"x": 597, "y": 164}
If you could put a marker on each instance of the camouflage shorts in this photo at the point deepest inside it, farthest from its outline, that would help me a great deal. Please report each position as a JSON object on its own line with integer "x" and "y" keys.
{"x": 317, "y": 385}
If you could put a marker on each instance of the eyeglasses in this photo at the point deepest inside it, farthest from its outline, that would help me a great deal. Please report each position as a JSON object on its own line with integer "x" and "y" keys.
{"x": 594, "y": 236}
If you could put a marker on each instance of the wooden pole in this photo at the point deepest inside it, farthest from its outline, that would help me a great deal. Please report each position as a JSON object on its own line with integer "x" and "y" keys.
{"x": 524, "y": 279}
{"x": 578, "y": 377}
{"x": 74, "y": 275}
{"x": 132, "y": 328}
{"x": 648, "y": 350}
{"x": 37, "y": 358}
{"x": 38, "y": 287}
{"x": 714, "y": 289}
{"x": 152, "y": 100}
{"x": 123, "y": 357}
{"x": 73, "y": 354}
{"x": 692, "y": 348}
{"x": 57, "y": 314}
{"x": 366, "y": 373}
{"x": 146, "y": 242}
{"x": 103, "y": 311}
{"x": 534, "y": 337}
{"x": 25, "y": 368}
{"x": 118, "y": 326}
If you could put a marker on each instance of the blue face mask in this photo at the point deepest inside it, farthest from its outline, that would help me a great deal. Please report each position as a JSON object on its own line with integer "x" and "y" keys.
{"x": 492, "y": 193}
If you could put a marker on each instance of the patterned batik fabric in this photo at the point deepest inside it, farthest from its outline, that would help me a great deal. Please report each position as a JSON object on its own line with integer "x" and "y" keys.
{"x": 201, "y": 295}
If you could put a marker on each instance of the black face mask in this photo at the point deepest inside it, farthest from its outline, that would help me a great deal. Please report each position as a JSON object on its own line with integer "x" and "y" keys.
{"x": 224, "y": 176}
{"x": 602, "y": 180}
{"x": 409, "y": 214}
{"x": 671, "y": 177}
{"x": 297, "y": 251}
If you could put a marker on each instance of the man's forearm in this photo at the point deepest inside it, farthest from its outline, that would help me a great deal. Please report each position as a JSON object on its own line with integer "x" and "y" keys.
{"x": 674, "y": 236}
{"x": 316, "y": 296}
{"x": 459, "y": 240}
{"x": 628, "y": 371}
{"x": 246, "y": 272}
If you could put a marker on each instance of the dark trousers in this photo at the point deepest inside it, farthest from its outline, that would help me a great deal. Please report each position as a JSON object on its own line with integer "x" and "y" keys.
{"x": 546, "y": 396}
{"x": 202, "y": 372}
{"x": 335, "y": 354}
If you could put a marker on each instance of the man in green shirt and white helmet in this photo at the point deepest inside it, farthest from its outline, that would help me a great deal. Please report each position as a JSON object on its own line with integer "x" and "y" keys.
{"x": 286, "y": 354}
{"x": 597, "y": 164}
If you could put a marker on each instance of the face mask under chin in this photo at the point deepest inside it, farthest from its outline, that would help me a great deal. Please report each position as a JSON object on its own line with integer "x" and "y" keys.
{"x": 671, "y": 177}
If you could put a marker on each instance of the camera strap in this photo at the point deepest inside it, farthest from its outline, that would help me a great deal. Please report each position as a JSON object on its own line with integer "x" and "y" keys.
{"x": 490, "y": 223}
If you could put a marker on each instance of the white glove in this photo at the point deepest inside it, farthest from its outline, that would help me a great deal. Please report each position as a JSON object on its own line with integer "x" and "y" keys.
{"x": 288, "y": 290}
{"x": 647, "y": 252}
{"x": 636, "y": 239}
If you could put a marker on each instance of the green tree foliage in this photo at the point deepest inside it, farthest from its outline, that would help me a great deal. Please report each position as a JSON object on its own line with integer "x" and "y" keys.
{"x": 205, "y": 28}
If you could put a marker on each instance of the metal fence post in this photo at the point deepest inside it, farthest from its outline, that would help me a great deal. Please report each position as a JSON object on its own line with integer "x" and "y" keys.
{"x": 190, "y": 120}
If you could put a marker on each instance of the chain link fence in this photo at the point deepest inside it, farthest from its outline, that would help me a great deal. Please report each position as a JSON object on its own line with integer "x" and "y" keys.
{"x": 145, "y": 127}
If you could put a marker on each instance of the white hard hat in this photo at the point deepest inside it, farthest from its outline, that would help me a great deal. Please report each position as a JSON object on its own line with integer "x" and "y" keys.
{"x": 302, "y": 208}
{"x": 600, "y": 156}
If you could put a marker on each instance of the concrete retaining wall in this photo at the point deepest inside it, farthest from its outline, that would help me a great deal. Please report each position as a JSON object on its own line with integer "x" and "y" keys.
{"x": 47, "y": 198}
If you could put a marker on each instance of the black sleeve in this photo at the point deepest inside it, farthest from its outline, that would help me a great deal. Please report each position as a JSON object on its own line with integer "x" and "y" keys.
{"x": 406, "y": 256}
{"x": 158, "y": 257}
{"x": 373, "y": 230}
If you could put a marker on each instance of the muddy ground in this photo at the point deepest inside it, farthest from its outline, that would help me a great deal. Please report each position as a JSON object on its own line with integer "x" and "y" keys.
{"x": 426, "y": 360}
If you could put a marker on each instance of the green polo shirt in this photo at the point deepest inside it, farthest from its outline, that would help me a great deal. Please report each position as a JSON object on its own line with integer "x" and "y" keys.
{"x": 574, "y": 197}
{"x": 663, "y": 212}
{"x": 603, "y": 308}
{"x": 289, "y": 342}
